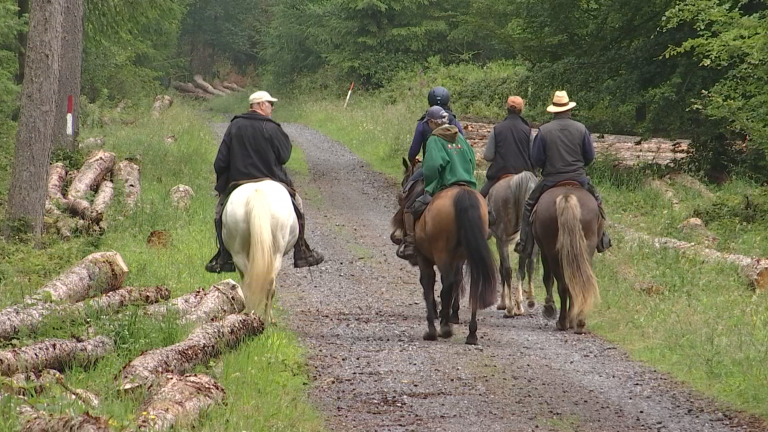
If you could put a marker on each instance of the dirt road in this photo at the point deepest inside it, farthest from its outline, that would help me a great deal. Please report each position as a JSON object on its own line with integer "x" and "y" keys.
{"x": 361, "y": 317}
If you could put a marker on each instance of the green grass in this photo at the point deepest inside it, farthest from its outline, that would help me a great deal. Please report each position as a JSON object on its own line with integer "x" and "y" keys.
{"x": 265, "y": 378}
{"x": 706, "y": 327}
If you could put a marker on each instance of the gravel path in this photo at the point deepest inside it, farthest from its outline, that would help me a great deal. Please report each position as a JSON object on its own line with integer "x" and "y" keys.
{"x": 361, "y": 317}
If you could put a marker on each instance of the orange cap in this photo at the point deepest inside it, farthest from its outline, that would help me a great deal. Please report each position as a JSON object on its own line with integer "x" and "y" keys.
{"x": 516, "y": 102}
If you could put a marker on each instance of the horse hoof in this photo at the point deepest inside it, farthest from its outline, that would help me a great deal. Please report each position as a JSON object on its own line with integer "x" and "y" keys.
{"x": 446, "y": 332}
{"x": 501, "y": 306}
{"x": 531, "y": 304}
{"x": 549, "y": 312}
{"x": 430, "y": 335}
{"x": 562, "y": 327}
{"x": 454, "y": 320}
{"x": 581, "y": 331}
{"x": 514, "y": 314}
{"x": 471, "y": 340}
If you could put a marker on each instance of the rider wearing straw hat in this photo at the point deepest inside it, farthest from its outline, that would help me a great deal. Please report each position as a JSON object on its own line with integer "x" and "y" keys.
{"x": 562, "y": 149}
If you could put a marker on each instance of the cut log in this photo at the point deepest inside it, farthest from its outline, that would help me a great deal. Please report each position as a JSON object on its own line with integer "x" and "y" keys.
{"x": 162, "y": 103}
{"x": 188, "y": 90}
{"x": 54, "y": 354}
{"x": 98, "y": 273}
{"x": 202, "y": 345}
{"x": 38, "y": 421}
{"x": 755, "y": 270}
{"x": 664, "y": 188}
{"x": 232, "y": 86}
{"x": 101, "y": 202}
{"x": 30, "y": 382}
{"x": 179, "y": 402}
{"x": 94, "y": 170}
{"x": 130, "y": 174}
{"x": 218, "y": 86}
{"x": 690, "y": 182}
{"x": 181, "y": 195}
{"x": 57, "y": 175}
{"x": 204, "y": 86}
{"x": 224, "y": 298}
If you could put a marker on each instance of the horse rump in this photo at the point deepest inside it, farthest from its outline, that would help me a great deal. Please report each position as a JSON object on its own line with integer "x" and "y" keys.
{"x": 575, "y": 258}
{"x": 471, "y": 235}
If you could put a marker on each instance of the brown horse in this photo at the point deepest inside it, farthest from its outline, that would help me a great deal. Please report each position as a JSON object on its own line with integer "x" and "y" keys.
{"x": 567, "y": 226}
{"x": 453, "y": 230}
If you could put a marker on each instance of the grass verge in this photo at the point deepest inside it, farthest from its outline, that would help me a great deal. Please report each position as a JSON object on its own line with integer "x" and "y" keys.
{"x": 697, "y": 321}
{"x": 265, "y": 378}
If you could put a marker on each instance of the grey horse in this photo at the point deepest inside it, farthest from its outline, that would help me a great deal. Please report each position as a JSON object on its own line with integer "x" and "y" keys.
{"x": 507, "y": 200}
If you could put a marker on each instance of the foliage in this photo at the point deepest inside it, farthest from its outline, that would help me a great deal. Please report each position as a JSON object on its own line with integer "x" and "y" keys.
{"x": 10, "y": 25}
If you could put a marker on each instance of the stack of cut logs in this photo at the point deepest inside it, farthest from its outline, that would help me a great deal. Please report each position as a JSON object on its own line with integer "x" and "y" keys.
{"x": 627, "y": 150}
{"x": 199, "y": 89}
{"x": 176, "y": 396}
{"x": 96, "y": 174}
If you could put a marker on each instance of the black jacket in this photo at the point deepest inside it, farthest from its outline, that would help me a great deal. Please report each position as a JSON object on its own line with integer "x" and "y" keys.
{"x": 512, "y": 153}
{"x": 253, "y": 147}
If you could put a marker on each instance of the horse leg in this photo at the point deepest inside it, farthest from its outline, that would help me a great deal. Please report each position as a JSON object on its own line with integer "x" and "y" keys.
{"x": 446, "y": 299}
{"x": 503, "y": 258}
{"x": 427, "y": 279}
{"x": 459, "y": 278}
{"x": 562, "y": 289}
{"x": 472, "y": 336}
{"x": 518, "y": 310}
{"x": 549, "y": 311}
{"x": 531, "y": 268}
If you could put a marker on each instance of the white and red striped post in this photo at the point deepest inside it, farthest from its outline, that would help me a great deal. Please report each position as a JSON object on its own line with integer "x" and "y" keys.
{"x": 70, "y": 110}
{"x": 349, "y": 94}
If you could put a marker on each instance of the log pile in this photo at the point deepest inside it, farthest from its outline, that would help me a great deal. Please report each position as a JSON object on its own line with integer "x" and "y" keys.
{"x": 200, "y": 89}
{"x": 753, "y": 269}
{"x": 628, "y": 150}
{"x": 162, "y": 103}
{"x": 94, "y": 176}
{"x": 179, "y": 400}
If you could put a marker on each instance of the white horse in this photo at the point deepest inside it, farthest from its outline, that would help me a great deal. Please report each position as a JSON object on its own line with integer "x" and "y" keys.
{"x": 259, "y": 227}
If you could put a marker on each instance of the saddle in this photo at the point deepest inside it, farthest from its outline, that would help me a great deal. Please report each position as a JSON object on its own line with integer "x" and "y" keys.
{"x": 564, "y": 183}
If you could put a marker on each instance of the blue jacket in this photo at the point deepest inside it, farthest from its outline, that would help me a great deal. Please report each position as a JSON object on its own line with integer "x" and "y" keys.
{"x": 423, "y": 132}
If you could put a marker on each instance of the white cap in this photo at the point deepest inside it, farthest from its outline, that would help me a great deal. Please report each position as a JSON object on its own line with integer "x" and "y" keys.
{"x": 261, "y": 96}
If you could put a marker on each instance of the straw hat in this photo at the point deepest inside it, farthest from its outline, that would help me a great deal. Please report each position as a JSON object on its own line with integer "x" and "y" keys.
{"x": 560, "y": 102}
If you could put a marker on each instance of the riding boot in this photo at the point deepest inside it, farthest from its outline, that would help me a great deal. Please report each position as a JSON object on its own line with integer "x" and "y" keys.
{"x": 303, "y": 255}
{"x": 222, "y": 261}
{"x": 409, "y": 243}
{"x": 605, "y": 241}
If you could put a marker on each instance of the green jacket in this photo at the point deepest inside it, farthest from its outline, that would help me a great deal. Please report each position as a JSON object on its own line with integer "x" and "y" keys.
{"x": 449, "y": 160}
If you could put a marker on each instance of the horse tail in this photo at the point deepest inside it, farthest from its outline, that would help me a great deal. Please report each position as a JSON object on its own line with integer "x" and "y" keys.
{"x": 575, "y": 258}
{"x": 471, "y": 233}
{"x": 261, "y": 263}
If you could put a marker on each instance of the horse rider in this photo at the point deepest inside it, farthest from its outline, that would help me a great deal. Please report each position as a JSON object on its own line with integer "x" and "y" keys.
{"x": 438, "y": 96}
{"x": 255, "y": 147}
{"x": 508, "y": 146}
{"x": 562, "y": 149}
{"x": 448, "y": 160}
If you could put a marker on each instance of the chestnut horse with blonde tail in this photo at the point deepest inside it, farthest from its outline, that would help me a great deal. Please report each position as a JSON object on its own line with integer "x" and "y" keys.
{"x": 567, "y": 226}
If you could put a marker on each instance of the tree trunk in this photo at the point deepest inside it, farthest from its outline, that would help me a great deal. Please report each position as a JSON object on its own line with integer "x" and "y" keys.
{"x": 55, "y": 354}
{"x": 129, "y": 173}
{"x": 161, "y": 104}
{"x": 34, "y": 138}
{"x": 222, "y": 299}
{"x": 101, "y": 202}
{"x": 180, "y": 305}
{"x": 179, "y": 402}
{"x": 232, "y": 86}
{"x": 22, "y": 38}
{"x": 93, "y": 172}
{"x": 755, "y": 270}
{"x": 218, "y": 86}
{"x": 38, "y": 421}
{"x": 202, "y": 345}
{"x": 30, "y": 382}
{"x": 98, "y": 273}
{"x": 187, "y": 89}
{"x": 18, "y": 318}
{"x": 202, "y": 85}
{"x": 70, "y": 65}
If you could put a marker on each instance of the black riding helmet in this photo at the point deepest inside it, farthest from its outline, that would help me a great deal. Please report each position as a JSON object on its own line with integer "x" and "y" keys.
{"x": 439, "y": 96}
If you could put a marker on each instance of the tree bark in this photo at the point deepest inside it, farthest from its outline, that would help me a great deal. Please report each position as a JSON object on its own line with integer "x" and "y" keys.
{"x": 232, "y": 86}
{"x": 98, "y": 273}
{"x": 187, "y": 89}
{"x": 57, "y": 175}
{"x": 755, "y": 270}
{"x": 202, "y": 85}
{"x": 203, "y": 344}
{"x": 92, "y": 173}
{"x": 161, "y": 104}
{"x": 22, "y": 38}
{"x": 224, "y": 298}
{"x": 101, "y": 202}
{"x": 34, "y": 138}
{"x": 31, "y": 382}
{"x": 130, "y": 174}
{"x": 70, "y": 66}
{"x": 181, "y": 305}
{"x": 218, "y": 86}
{"x": 179, "y": 402}
{"x": 55, "y": 354}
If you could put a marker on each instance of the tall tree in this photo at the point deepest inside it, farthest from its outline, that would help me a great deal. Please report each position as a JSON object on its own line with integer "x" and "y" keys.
{"x": 34, "y": 138}
{"x": 23, "y": 11}
{"x": 66, "y": 124}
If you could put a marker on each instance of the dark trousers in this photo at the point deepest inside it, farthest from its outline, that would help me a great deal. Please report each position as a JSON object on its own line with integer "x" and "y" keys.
{"x": 486, "y": 189}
